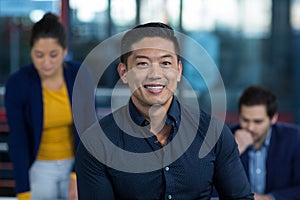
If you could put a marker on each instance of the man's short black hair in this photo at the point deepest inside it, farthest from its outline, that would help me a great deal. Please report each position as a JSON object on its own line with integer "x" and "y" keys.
{"x": 152, "y": 29}
{"x": 258, "y": 95}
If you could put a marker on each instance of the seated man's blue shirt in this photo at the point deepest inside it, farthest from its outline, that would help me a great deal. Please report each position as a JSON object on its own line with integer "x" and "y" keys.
{"x": 257, "y": 166}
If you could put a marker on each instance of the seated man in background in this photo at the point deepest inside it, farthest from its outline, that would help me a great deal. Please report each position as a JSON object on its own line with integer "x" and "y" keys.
{"x": 269, "y": 150}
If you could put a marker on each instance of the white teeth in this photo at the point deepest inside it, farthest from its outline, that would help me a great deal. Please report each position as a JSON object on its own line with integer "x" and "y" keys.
{"x": 154, "y": 87}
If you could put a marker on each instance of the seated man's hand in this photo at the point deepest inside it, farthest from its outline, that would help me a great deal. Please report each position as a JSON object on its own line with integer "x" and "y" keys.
{"x": 243, "y": 139}
{"x": 262, "y": 197}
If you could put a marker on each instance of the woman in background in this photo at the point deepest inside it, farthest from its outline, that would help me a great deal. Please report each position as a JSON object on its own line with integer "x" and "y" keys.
{"x": 38, "y": 106}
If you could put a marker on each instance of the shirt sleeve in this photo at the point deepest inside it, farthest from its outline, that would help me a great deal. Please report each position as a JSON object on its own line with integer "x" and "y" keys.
{"x": 92, "y": 180}
{"x": 230, "y": 178}
{"x": 19, "y": 136}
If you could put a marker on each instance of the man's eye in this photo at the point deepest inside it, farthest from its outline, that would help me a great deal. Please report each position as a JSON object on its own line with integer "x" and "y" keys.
{"x": 245, "y": 120}
{"x": 142, "y": 64}
{"x": 258, "y": 121}
{"x": 166, "y": 63}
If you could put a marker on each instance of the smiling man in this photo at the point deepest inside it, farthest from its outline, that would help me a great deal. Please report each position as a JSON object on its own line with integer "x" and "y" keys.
{"x": 163, "y": 135}
{"x": 269, "y": 149}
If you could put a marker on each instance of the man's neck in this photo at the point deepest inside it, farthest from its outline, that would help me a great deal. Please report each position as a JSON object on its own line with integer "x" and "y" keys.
{"x": 157, "y": 116}
{"x": 163, "y": 134}
{"x": 260, "y": 143}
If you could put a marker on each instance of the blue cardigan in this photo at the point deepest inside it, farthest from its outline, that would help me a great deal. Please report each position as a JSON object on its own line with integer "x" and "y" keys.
{"x": 283, "y": 162}
{"x": 24, "y": 111}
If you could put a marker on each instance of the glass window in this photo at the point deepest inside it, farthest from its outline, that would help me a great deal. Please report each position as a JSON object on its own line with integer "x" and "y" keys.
{"x": 251, "y": 17}
{"x": 256, "y": 17}
{"x": 193, "y": 17}
{"x": 153, "y": 10}
{"x": 173, "y": 12}
{"x": 167, "y": 11}
{"x": 17, "y": 8}
{"x": 208, "y": 15}
{"x": 16, "y": 19}
{"x": 89, "y": 21}
{"x": 295, "y": 15}
{"x": 121, "y": 16}
{"x": 86, "y": 11}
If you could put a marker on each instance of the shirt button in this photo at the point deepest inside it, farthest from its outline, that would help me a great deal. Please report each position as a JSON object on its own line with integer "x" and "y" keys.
{"x": 169, "y": 196}
{"x": 258, "y": 171}
{"x": 258, "y": 153}
{"x": 167, "y": 168}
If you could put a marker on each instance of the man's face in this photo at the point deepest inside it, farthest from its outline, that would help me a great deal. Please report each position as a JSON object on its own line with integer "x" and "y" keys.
{"x": 255, "y": 120}
{"x": 152, "y": 72}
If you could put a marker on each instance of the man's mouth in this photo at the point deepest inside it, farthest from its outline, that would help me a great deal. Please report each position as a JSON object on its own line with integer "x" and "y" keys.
{"x": 154, "y": 88}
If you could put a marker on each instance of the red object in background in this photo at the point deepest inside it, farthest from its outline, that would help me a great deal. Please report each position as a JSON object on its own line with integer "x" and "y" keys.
{"x": 3, "y": 121}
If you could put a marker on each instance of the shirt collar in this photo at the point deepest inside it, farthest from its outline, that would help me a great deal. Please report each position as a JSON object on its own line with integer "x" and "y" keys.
{"x": 266, "y": 142}
{"x": 173, "y": 115}
{"x": 268, "y": 138}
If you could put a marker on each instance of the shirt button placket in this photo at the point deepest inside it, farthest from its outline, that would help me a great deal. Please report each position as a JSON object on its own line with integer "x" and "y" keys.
{"x": 169, "y": 196}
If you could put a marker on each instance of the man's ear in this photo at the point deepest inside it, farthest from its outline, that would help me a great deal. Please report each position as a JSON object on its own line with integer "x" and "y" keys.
{"x": 179, "y": 71}
{"x": 274, "y": 118}
{"x": 122, "y": 70}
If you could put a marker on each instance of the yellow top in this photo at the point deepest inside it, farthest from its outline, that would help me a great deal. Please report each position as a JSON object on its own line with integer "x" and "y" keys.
{"x": 57, "y": 138}
{"x": 24, "y": 196}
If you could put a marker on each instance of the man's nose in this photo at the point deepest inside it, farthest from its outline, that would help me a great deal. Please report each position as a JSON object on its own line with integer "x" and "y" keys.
{"x": 155, "y": 70}
{"x": 250, "y": 126}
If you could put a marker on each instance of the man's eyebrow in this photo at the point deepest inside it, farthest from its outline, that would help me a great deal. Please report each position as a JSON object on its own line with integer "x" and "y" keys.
{"x": 167, "y": 56}
{"x": 163, "y": 56}
{"x": 258, "y": 120}
{"x": 141, "y": 56}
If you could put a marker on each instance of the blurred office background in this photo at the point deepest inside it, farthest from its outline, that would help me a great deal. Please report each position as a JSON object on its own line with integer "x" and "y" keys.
{"x": 250, "y": 41}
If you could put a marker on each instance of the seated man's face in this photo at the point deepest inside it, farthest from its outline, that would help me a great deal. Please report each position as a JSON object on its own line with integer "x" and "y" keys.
{"x": 255, "y": 120}
{"x": 153, "y": 71}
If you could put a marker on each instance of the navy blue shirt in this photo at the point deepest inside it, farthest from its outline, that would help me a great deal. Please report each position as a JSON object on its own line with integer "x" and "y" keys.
{"x": 113, "y": 165}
